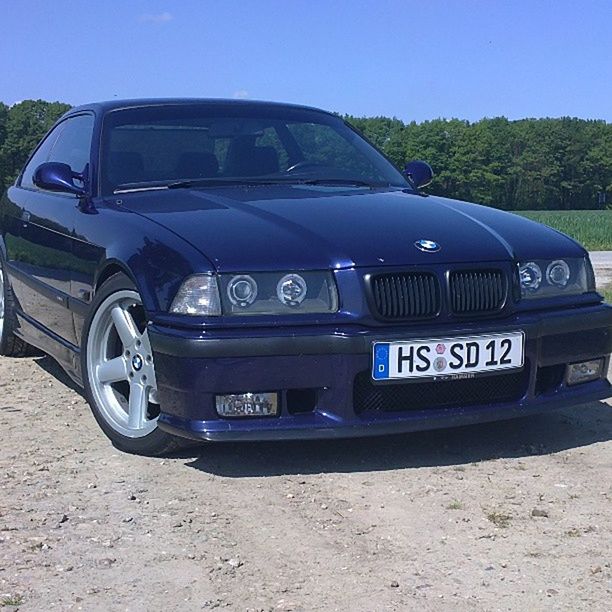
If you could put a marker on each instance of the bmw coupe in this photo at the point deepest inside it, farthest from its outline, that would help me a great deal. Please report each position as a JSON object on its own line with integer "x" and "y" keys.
{"x": 237, "y": 270}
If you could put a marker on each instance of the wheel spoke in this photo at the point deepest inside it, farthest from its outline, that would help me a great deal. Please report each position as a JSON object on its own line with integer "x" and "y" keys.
{"x": 112, "y": 371}
{"x": 125, "y": 326}
{"x": 137, "y": 410}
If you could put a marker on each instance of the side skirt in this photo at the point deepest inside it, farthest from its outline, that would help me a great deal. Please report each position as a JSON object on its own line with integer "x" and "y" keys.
{"x": 65, "y": 353}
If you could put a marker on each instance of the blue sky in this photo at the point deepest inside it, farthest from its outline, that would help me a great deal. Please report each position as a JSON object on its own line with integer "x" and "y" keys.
{"x": 412, "y": 59}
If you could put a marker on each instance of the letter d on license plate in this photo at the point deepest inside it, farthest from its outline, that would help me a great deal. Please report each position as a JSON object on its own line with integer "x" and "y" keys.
{"x": 448, "y": 357}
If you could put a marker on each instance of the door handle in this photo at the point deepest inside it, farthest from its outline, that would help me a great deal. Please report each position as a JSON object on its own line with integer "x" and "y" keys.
{"x": 25, "y": 216}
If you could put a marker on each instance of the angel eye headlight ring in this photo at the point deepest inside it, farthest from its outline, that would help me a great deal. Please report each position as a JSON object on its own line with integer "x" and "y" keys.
{"x": 242, "y": 290}
{"x": 558, "y": 273}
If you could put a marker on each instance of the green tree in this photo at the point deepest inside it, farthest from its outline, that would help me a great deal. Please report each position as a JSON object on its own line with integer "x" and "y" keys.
{"x": 26, "y": 123}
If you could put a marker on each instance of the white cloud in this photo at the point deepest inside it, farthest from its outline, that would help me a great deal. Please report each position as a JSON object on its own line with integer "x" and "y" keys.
{"x": 157, "y": 17}
{"x": 241, "y": 94}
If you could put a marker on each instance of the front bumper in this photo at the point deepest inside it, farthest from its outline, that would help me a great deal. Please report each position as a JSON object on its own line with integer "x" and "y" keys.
{"x": 316, "y": 371}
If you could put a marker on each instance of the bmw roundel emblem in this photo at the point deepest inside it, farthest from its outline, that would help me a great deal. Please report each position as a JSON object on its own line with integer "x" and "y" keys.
{"x": 427, "y": 246}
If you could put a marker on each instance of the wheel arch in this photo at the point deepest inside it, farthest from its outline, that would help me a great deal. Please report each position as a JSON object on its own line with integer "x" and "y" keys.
{"x": 115, "y": 266}
{"x": 110, "y": 268}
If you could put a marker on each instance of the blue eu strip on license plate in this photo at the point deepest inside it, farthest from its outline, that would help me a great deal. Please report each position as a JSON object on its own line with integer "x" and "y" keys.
{"x": 381, "y": 361}
{"x": 447, "y": 357}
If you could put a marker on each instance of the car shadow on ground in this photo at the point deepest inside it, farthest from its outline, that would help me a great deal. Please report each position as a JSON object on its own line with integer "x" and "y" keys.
{"x": 523, "y": 437}
{"x": 49, "y": 365}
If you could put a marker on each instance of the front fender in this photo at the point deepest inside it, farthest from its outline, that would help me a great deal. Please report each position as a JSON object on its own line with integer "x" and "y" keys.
{"x": 156, "y": 259}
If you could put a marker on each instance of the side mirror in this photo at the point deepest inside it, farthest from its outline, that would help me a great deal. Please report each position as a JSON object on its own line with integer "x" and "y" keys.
{"x": 55, "y": 176}
{"x": 419, "y": 172}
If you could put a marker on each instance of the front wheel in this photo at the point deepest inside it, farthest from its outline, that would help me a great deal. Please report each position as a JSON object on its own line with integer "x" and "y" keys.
{"x": 119, "y": 371}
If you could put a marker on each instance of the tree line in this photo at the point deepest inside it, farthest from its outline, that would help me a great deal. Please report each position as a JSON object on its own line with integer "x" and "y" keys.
{"x": 528, "y": 164}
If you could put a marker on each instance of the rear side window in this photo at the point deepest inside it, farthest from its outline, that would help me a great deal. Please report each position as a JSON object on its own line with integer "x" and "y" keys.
{"x": 40, "y": 157}
{"x": 73, "y": 145}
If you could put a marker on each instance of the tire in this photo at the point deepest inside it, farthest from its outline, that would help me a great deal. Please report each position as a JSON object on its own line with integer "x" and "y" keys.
{"x": 119, "y": 372}
{"x": 10, "y": 344}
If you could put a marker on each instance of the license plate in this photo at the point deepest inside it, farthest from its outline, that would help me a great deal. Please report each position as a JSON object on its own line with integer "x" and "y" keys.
{"x": 449, "y": 358}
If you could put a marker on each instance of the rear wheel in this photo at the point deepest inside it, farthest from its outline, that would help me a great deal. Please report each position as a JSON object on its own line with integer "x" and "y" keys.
{"x": 119, "y": 371}
{"x": 10, "y": 344}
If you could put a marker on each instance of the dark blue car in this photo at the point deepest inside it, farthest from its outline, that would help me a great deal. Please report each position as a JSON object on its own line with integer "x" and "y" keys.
{"x": 231, "y": 270}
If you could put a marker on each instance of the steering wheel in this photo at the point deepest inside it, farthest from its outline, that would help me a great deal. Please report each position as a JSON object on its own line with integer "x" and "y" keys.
{"x": 302, "y": 165}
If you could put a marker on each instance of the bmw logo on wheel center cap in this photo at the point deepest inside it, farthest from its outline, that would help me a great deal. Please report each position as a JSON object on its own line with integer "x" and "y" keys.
{"x": 137, "y": 362}
{"x": 427, "y": 246}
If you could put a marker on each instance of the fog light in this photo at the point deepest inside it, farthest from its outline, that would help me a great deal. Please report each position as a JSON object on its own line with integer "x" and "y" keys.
{"x": 584, "y": 371}
{"x": 247, "y": 404}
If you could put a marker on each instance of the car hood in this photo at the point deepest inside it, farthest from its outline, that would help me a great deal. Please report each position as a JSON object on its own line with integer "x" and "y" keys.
{"x": 313, "y": 227}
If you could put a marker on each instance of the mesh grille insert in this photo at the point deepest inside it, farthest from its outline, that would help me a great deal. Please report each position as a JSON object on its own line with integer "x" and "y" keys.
{"x": 393, "y": 397}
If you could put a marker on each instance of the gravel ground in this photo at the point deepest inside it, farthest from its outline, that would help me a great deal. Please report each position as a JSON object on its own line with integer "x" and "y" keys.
{"x": 602, "y": 264}
{"x": 504, "y": 516}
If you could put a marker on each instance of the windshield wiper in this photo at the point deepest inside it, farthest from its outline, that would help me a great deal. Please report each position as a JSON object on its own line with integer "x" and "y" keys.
{"x": 220, "y": 182}
{"x": 245, "y": 182}
{"x": 340, "y": 182}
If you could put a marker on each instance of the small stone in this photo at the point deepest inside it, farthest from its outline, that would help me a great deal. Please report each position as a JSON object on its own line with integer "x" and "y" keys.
{"x": 539, "y": 513}
{"x": 63, "y": 519}
{"x": 323, "y": 506}
{"x": 235, "y": 562}
{"x": 107, "y": 562}
{"x": 290, "y": 495}
{"x": 394, "y": 584}
{"x": 132, "y": 497}
{"x": 128, "y": 519}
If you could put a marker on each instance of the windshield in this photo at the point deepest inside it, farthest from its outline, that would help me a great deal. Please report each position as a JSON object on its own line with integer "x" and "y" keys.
{"x": 217, "y": 144}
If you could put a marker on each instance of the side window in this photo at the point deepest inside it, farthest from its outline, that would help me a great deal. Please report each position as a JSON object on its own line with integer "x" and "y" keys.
{"x": 40, "y": 157}
{"x": 73, "y": 145}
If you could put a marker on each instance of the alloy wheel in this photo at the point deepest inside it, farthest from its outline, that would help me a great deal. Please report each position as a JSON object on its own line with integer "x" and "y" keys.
{"x": 120, "y": 366}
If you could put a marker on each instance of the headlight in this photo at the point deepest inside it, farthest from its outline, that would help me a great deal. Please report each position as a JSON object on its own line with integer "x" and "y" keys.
{"x": 278, "y": 293}
{"x": 242, "y": 291}
{"x": 531, "y": 276}
{"x": 561, "y": 277}
{"x": 558, "y": 273}
{"x": 274, "y": 293}
{"x": 198, "y": 295}
{"x": 291, "y": 290}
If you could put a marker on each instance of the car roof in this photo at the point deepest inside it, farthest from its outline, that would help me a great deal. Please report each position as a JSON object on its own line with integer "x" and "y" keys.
{"x": 110, "y": 105}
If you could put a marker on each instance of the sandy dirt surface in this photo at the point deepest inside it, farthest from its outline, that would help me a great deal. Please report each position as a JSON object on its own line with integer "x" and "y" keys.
{"x": 602, "y": 264}
{"x": 508, "y": 516}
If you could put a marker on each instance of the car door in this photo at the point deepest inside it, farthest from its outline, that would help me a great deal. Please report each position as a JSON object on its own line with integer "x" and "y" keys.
{"x": 39, "y": 242}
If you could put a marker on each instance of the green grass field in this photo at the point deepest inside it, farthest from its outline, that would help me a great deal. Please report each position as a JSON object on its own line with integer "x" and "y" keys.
{"x": 592, "y": 228}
